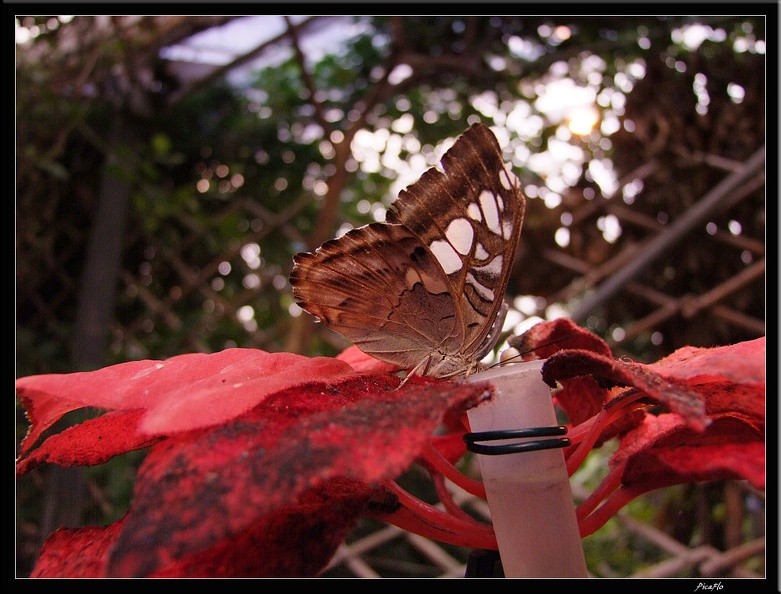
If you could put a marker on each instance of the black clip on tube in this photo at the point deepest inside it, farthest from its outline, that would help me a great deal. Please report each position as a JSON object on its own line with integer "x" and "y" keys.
{"x": 472, "y": 440}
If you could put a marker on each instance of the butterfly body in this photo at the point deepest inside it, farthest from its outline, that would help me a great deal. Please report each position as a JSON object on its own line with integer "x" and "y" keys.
{"x": 425, "y": 290}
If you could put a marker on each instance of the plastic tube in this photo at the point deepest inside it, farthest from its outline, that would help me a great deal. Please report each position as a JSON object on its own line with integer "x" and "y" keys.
{"x": 528, "y": 493}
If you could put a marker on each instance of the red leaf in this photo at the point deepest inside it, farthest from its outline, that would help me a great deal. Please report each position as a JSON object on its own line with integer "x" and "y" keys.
{"x": 363, "y": 363}
{"x": 581, "y": 398}
{"x": 715, "y": 429}
{"x": 731, "y": 378}
{"x": 293, "y": 541}
{"x": 197, "y": 489}
{"x": 675, "y": 394}
{"x": 80, "y": 552}
{"x": 42, "y": 411}
{"x": 90, "y": 443}
{"x": 546, "y": 338}
{"x": 742, "y": 363}
{"x": 451, "y": 446}
{"x": 181, "y": 393}
{"x": 691, "y": 463}
{"x": 663, "y": 451}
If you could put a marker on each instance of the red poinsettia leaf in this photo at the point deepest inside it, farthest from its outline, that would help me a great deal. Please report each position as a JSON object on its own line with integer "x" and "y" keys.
{"x": 292, "y": 541}
{"x": 42, "y": 411}
{"x": 197, "y": 489}
{"x": 546, "y": 338}
{"x": 732, "y": 461}
{"x": 745, "y": 403}
{"x": 732, "y": 378}
{"x": 742, "y": 363}
{"x": 181, "y": 393}
{"x": 664, "y": 451}
{"x": 363, "y": 363}
{"x": 450, "y": 445}
{"x": 92, "y": 442}
{"x": 581, "y": 398}
{"x": 248, "y": 386}
{"x": 79, "y": 552}
{"x": 675, "y": 394}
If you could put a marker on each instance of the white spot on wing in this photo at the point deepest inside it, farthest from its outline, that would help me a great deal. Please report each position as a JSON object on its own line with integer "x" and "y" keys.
{"x": 480, "y": 252}
{"x": 507, "y": 229}
{"x": 508, "y": 179}
{"x": 488, "y": 204}
{"x": 446, "y": 256}
{"x": 482, "y": 290}
{"x": 473, "y": 210}
{"x": 460, "y": 234}
{"x": 493, "y": 268}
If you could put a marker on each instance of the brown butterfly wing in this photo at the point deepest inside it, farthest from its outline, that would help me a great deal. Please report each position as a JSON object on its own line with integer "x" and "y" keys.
{"x": 470, "y": 217}
{"x": 425, "y": 290}
{"x": 381, "y": 289}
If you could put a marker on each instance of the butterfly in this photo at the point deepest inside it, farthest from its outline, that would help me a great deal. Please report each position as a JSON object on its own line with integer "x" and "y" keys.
{"x": 425, "y": 289}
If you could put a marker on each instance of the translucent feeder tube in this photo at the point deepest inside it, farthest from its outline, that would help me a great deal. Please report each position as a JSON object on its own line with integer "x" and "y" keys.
{"x": 528, "y": 493}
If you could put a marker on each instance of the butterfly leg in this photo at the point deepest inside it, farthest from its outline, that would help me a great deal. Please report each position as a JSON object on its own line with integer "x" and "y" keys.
{"x": 419, "y": 369}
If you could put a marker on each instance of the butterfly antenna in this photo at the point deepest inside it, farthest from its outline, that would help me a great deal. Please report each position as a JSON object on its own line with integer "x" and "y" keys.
{"x": 539, "y": 346}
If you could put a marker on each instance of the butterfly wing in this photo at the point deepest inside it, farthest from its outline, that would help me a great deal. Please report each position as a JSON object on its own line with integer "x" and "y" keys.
{"x": 425, "y": 290}
{"x": 470, "y": 217}
{"x": 381, "y": 289}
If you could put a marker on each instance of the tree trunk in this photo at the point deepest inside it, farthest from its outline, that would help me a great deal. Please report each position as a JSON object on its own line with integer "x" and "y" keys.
{"x": 97, "y": 295}
{"x": 66, "y": 487}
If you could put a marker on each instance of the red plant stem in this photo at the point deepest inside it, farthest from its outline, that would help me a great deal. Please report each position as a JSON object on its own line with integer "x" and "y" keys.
{"x": 446, "y": 497}
{"x": 578, "y": 433}
{"x": 593, "y": 428}
{"x": 441, "y": 464}
{"x": 443, "y": 518}
{"x": 408, "y": 521}
{"x": 607, "y": 510}
{"x": 422, "y": 518}
{"x": 611, "y": 483}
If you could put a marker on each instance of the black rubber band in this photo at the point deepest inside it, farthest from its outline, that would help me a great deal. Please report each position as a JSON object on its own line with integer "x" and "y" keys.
{"x": 471, "y": 440}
